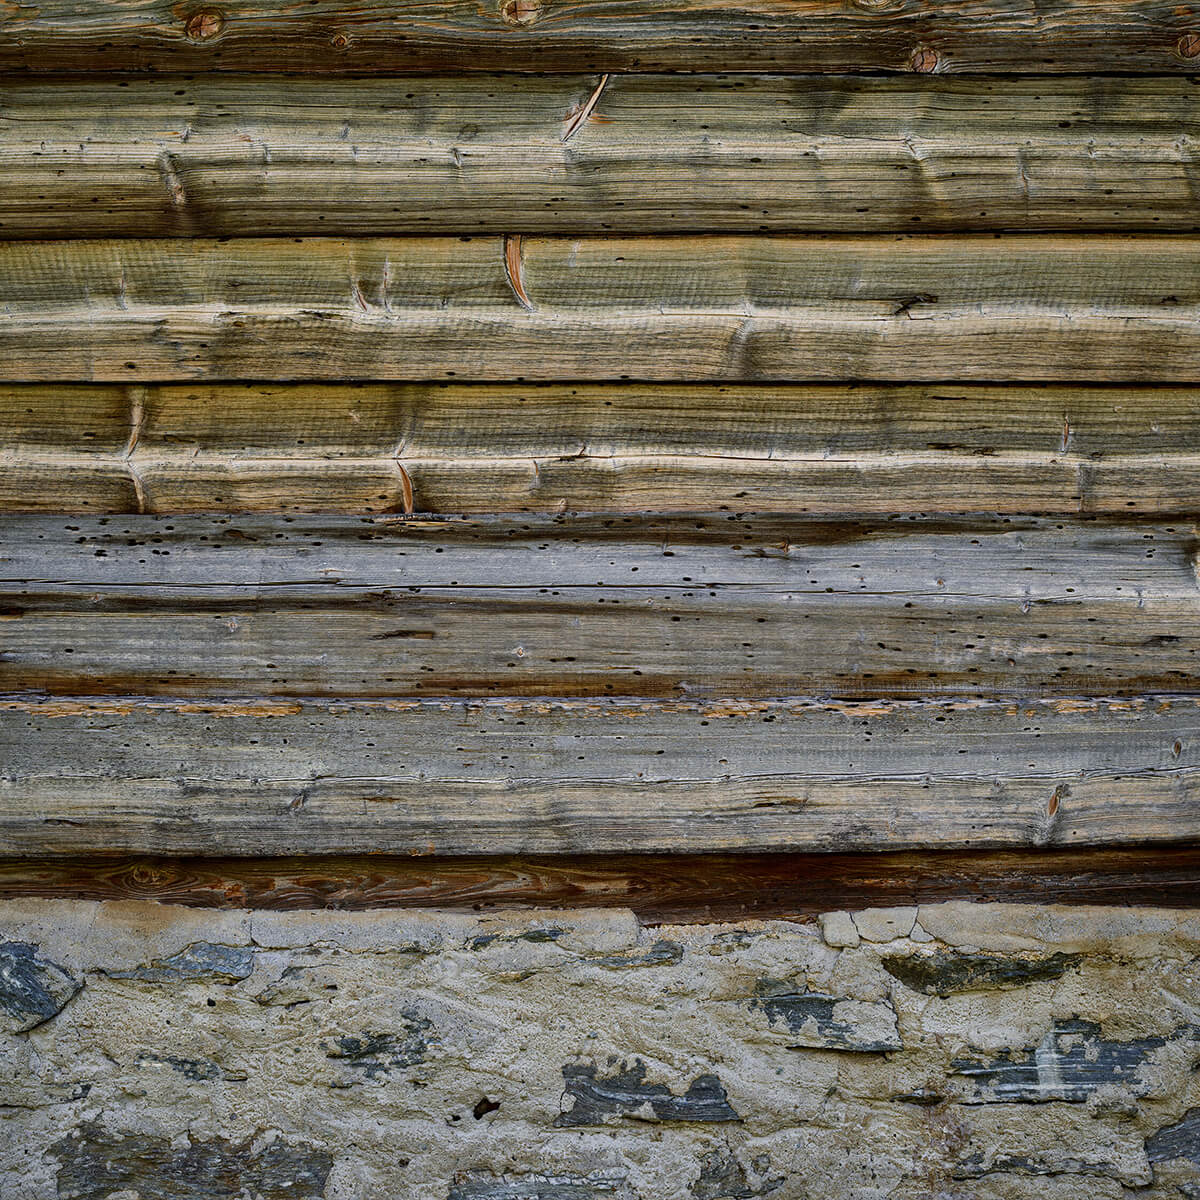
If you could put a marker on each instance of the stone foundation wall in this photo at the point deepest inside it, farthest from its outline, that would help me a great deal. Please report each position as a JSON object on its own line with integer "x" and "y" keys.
{"x": 988, "y": 1051}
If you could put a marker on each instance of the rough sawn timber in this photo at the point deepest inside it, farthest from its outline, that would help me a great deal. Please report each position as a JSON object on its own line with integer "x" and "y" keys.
{"x": 890, "y": 308}
{"x": 478, "y": 448}
{"x": 654, "y": 607}
{"x": 593, "y": 777}
{"x": 637, "y": 154}
{"x": 383, "y": 36}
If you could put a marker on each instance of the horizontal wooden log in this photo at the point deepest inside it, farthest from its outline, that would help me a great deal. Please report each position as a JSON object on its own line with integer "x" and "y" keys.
{"x": 619, "y": 606}
{"x": 967, "y": 308}
{"x": 560, "y": 777}
{"x": 674, "y": 888}
{"x": 637, "y": 153}
{"x": 594, "y": 447}
{"x": 384, "y": 36}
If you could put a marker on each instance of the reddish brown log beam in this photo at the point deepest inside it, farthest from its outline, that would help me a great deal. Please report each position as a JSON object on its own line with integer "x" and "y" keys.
{"x": 659, "y": 888}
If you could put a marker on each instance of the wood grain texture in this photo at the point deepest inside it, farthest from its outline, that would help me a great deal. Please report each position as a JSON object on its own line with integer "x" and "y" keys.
{"x": 541, "y": 35}
{"x": 905, "y": 309}
{"x": 506, "y": 154}
{"x": 559, "y": 777}
{"x": 666, "y": 889}
{"x": 617, "y": 606}
{"x": 594, "y": 447}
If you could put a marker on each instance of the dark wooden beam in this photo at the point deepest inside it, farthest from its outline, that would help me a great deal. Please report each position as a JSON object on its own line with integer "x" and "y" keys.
{"x": 378, "y": 36}
{"x": 659, "y": 888}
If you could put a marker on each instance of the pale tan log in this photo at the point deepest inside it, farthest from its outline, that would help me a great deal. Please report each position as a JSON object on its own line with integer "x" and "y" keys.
{"x": 902, "y": 309}
{"x": 382, "y": 36}
{"x": 593, "y": 447}
{"x": 529, "y": 606}
{"x": 639, "y": 153}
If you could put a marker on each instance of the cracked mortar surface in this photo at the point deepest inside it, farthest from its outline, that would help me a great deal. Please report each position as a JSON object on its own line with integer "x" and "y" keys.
{"x": 998, "y": 1052}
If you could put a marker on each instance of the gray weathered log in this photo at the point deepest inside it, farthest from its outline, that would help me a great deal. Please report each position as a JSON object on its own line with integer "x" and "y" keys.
{"x": 635, "y": 153}
{"x": 653, "y": 607}
{"x": 895, "y": 308}
{"x": 579, "y": 777}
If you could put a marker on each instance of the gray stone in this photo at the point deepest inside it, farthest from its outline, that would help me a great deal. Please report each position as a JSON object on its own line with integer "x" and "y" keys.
{"x": 946, "y": 973}
{"x": 375, "y": 1054}
{"x": 626, "y": 1093}
{"x": 885, "y": 924}
{"x": 201, "y": 961}
{"x": 539, "y": 1187}
{"x": 1181, "y": 1140}
{"x": 96, "y": 1164}
{"x": 722, "y": 1177}
{"x": 818, "y": 1021}
{"x": 1071, "y": 1063}
{"x": 838, "y": 929}
{"x": 32, "y": 989}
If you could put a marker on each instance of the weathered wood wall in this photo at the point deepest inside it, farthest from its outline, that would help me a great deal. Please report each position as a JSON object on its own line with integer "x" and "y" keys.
{"x": 696, "y": 460}
{"x": 442, "y": 458}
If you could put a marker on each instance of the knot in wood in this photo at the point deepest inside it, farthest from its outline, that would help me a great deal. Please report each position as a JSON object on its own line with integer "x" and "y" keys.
{"x": 923, "y": 60}
{"x": 1189, "y": 45}
{"x": 204, "y": 24}
{"x": 520, "y": 12}
{"x": 340, "y": 41}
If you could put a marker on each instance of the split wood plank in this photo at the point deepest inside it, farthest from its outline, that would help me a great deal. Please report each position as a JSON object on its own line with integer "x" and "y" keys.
{"x": 382, "y": 36}
{"x": 644, "y": 154}
{"x": 556, "y": 777}
{"x": 887, "y": 308}
{"x": 250, "y": 605}
{"x": 480, "y": 448}
{"x": 665, "y": 888}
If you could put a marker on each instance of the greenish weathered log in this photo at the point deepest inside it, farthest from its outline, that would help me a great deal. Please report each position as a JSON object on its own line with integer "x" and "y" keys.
{"x": 253, "y": 155}
{"x": 570, "y": 35}
{"x": 561, "y": 777}
{"x": 695, "y": 606}
{"x": 896, "y": 308}
{"x": 480, "y": 448}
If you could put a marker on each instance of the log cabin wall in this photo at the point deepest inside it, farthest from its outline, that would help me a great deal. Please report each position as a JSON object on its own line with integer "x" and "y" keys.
{"x": 599, "y": 603}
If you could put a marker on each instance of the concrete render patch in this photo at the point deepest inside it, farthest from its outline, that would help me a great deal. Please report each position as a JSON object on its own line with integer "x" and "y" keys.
{"x": 572, "y": 1055}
